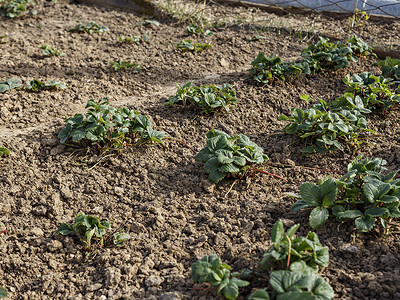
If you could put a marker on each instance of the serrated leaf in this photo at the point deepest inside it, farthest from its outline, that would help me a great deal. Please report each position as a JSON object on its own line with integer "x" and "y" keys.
{"x": 350, "y": 214}
{"x": 310, "y": 193}
{"x": 260, "y": 294}
{"x": 299, "y": 204}
{"x": 365, "y": 223}
{"x": 318, "y": 216}
{"x": 277, "y": 232}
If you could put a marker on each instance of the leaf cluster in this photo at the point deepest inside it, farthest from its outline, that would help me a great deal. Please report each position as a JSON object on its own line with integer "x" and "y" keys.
{"x": 320, "y": 56}
{"x": 271, "y": 69}
{"x": 225, "y": 155}
{"x": 390, "y": 67}
{"x": 35, "y": 85}
{"x": 15, "y": 8}
{"x": 327, "y": 129}
{"x": 294, "y": 262}
{"x": 188, "y": 45}
{"x": 49, "y": 51}
{"x": 90, "y": 229}
{"x": 149, "y": 22}
{"x": 211, "y": 269}
{"x": 134, "y": 39}
{"x": 365, "y": 194}
{"x": 198, "y": 30}
{"x": 10, "y": 84}
{"x": 109, "y": 127}
{"x": 375, "y": 91}
{"x": 90, "y": 27}
{"x": 4, "y": 151}
{"x": 207, "y": 97}
{"x": 294, "y": 253}
{"x": 118, "y": 65}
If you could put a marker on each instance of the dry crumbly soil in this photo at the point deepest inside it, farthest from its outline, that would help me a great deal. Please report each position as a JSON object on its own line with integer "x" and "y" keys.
{"x": 158, "y": 193}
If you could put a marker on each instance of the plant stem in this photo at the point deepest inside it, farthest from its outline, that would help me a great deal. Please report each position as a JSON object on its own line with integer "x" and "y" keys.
{"x": 290, "y": 250}
{"x": 303, "y": 167}
{"x": 265, "y": 172}
{"x": 230, "y": 189}
{"x": 182, "y": 142}
{"x": 5, "y": 230}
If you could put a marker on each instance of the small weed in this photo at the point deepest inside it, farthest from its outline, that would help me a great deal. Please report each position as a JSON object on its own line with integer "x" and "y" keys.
{"x": 256, "y": 38}
{"x": 90, "y": 27}
{"x": 91, "y": 230}
{"x": 198, "y": 30}
{"x": 390, "y": 67}
{"x": 2, "y": 37}
{"x": 35, "y": 85}
{"x": 4, "y": 151}
{"x": 9, "y": 84}
{"x": 49, "y": 51}
{"x": 359, "y": 19}
{"x": 118, "y": 65}
{"x": 188, "y": 45}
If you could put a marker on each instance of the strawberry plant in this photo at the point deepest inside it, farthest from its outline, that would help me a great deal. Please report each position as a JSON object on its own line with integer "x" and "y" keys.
{"x": 390, "y": 67}
{"x": 294, "y": 262}
{"x": 359, "y": 47}
{"x": 225, "y": 155}
{"x": 207, "y": 97}
{"x": 211, "y": 269}
{"x": 90, "y": 27}
{"x": 375, "y": 91}
{"x": 109, "y": 127}
{"x": 327, "y": 56}
{"x": 188, "y": 45}
{"x": 270, "y": 69}
{"x": 15, "y": 8}
{"x": 49, "y": 51}
{"x": 35, "y": 85}
{"x": 364, "y": 195}
{"x": 198, "y": 30}
{"x": 90, "y": 229}
{"x": 10, "y": 84}
{"x": 134, "y": 39}
{"x": 287, "y": 251}
{"x": 118, "y": 65}
{"x": 326, "y": 130}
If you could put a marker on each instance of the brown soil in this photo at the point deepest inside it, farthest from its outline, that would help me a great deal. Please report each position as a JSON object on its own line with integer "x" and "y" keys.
{"x": 158, "y": 193}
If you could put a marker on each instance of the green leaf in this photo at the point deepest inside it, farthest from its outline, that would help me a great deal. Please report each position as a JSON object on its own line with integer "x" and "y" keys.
{"x": 3, "y": 292}
{"x": 318, "y": 216}
{"x": 299, "y": 204}
{"x": 216, "y": 176}
{"x": 365, "y": 223}
{"x": 65, "y": 229}
{"x": 277, "y": 232}
{"x": 329, "y": 192}
{"x": 310, "y": 193}
{"x": 376, "y": 211}
{"x": 260, "y": 294}
{"x": 4, "y": 151}
{"x": 350, "y": 214}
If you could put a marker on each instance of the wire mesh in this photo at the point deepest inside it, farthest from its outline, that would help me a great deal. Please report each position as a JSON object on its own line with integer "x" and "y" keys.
{"x": 388, "y": 8}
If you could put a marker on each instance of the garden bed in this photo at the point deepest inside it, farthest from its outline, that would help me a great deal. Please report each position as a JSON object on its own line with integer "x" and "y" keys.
{"x": 158, "y": 193}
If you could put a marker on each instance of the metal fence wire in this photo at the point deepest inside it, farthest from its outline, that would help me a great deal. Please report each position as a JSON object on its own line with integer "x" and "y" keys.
{"x": 388, "y": 8}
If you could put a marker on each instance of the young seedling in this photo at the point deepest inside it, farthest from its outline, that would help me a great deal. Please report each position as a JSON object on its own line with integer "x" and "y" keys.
{"x": 225, "y": 156}
{"x": 198, "y": 30}
{"x": 90, "y": 229}
{"x": 359, "y": 19}
{"x": 15, "y": 8}
{"x": 390, "y": 67}
{"x": 135, "y": 39}
{"x": 9, "y": 84}
{"x": 90, "y": 27}
{"x": 208, "y": 98}
{"x": 256, "y": 38}
{"x": 3, "y": 152}
{"x": 49, "y": 51}
{"x": 188, "y": 45}
{"x": 2, "y": 37}
{"x": 149, "y": 22}
{"x": 109, "y": 128}
{"x": 364, "y": 195}
{"x": 118, "y": 65}
{"x": 35, "y": 85}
